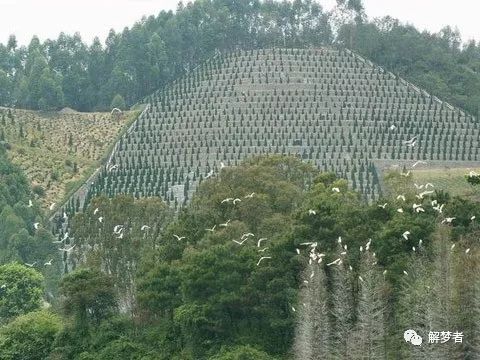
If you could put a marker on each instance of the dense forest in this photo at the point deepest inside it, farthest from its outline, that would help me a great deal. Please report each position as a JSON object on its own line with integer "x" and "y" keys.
{"x": 135, "y": 62}
{"x": 298, "y": 267}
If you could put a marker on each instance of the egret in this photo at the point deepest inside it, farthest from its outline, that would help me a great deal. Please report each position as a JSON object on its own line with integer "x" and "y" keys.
{"x": 249, "y": 196}
{"x": 472, "y": 218}
{"x": 467, "y": 251}
{"x": 100, "y": 219}
{"x": 401, "y": 197}
{"x": 312, "y": 212}
{"x": 144, "y": 227}
{"x": 48, "y": 263}
{"x": 237, "y": 200}
{"x": 400, "y": 210}
{"x": 222, "y": 165}
{"x": 225, "y": 224}
{"x": 312, "y": 274}
{"x": 335, "y": 262}
{"x": 210, "y": 173}
{"x": 422, "y": 194}
{"x": 360, "y": 278}
{"x": 339, "y": 240}
{"x": 298, "y": 251}
{"x": 427, "y": 185}
{"x": 383, "y": 206}
{"x": 419, "y": 162}
{"x": 36, "y": 225}
{"x": 392, "y": 127}
{"x": 260, "y": 241}
{"x": 52, "y": 206}
{"x": 212, "y": 229}
{"x": 246, "y": 235}
{"x": 240, "y": 242}
{"x": 263, "y": 250}
{"x": 452, "y": 247}
{"x": 226, "y": 200}
{"x": 263, "y": 258}
{"x": 117, "y": 229}
{"x": 405, "y": 272}
{"x": 448, "y": 220}
{"x": 405, "y": 174}
{"x": 95, "y": 211}
{"x": 419, "y": 187}
{"x": 405, "y": 234}
{"x": 336, "y": 189}
{"x": 67, "y": 250}
{"x": 30, "y": 204}
{"x": 179, "y": 238}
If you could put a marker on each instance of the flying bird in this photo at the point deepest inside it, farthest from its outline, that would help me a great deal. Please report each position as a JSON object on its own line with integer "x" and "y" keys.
{"x": 405, "y": 174}
{"x": 48, "y": 263}
{"x": 179, "y": 238}
{"x": 312, "y": 212}
{"x": 95, "y": 211}
{"x": 419, "y": 187}
{"x": 212, "y": 229}
{"x": 335, "y": 262}
{"x": 405, "y": 234}
{"x": 210, "y": 173}
{"x": 226, "y": 200}
{"x": 263, "y": 258}
{"x": 260, "y": 241}
{"x": 144, "y": 227}
{"x": 383, "y": 206}
{"x": 427, "y": 185}
{"x": 225, "y": 224}
{"x": 448, "y": 220}
{"x": 52, "y": 206}
{"x": 246, "y": 235}
{"x": 240, "y": 242}
{"x": 36, "y": 225}
{"x": 419, "y": 162}
{"x": 237, "y": 200}
{"x": 249, "y": 196}
{"x": 30, "y": 203}
{"x": 30, "y": 265}
{"x": 263, "y": 250}
{"x": 67, "y": 250}
{"x": 392, "y": 127}
{"x": 336, "y": 189}
{"x": 100, "y": 219}
{"x": 118, "y": 229}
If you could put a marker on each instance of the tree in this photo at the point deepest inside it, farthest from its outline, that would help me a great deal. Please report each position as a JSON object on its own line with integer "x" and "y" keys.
{"x": 22, "y": 291}
{"x": 89, "y": 296}
{"x": 30, "y": 336}
{"x": 241, "y": 353}
{"x": 118, "y": 102}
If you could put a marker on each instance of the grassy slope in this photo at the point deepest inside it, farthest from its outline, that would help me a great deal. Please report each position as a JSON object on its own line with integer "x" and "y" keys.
{"x": 53, "y": 142}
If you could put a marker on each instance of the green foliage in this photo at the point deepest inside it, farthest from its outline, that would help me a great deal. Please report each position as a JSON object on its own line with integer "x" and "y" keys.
{"x": 22, "y": 292}
{"x": 89, "y": 296}
{"x": 241, "y": 353}
{"x": 118, "y": 102}
{"x": 30, "y": 336}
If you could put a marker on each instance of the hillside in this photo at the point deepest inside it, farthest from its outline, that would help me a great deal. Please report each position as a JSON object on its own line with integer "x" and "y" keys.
{"x": 57, "y": 150}
{"x": 328, "y": 106}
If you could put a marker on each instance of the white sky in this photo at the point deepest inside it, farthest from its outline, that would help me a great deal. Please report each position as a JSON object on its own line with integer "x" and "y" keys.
{"x": 47, "y": 18}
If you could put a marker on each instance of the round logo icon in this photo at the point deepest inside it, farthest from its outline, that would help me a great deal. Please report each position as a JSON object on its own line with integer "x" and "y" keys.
{"x": 412, "y": 337}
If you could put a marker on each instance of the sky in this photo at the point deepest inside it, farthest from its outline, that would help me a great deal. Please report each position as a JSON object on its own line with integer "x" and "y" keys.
{"x": 47, "y": 18}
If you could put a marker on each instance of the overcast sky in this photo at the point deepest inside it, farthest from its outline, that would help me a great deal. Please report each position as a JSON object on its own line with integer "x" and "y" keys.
{"x": 47, "y": 18}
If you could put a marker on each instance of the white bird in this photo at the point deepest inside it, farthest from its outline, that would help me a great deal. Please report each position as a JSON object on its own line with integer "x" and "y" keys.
{"x": 400, "y": 210}
{"x": 100, "y": 219}
{"x": 361, "y": 248}
{"x": 235, "y": 201}
{"x": 339, "y": 239}
{"x": 263, "y": 250}
{"x": 413, "y": 248}
{"x": 401, "y": 197}
{"x": 95, "y": 211}
{"x": 472, "y": 218}
{"x": 418, "y": 208}
{"x": 30, "y": 265}
{"x": 225, "y": 224}
{"x": 384, "y": 272}
{"x": 306, "y": 243}
{"x": 405, "y": 234}
{"x": 298, "y": 251}
{"x": 246, "y": 235}
{"x": 210, "y": 173}
{"x": 118, "y": 229}
{"x": 472, "y": 173}
{"x": 383, "y": 206}
{"x": 36, "y": 225}
{"x": 422, "y": 194}
{"x": 179, "y": 238}
{"x": 405, "y": 174}
{"x": 392, "y": 127}
{"x": 438, "y": 208}
{"x": 427, "y": 185}
{"x": 112, "y": 167}
{"x": 222, "y": 165}
{"x": 420, "y": 242}
{"x": 30, "y": 203}
{"x": 405, "y": 272}
{"x": 144, "y": 227}
{"x": 336, "y": 189}
{"x": 65, "y": 216}
{"x": 350, "y": 267}
{"x": 48, "y": 263}
{"x": 262, "y": 258}
{"x": 419, "y": 162}
{"x": 419, "y": 186}
{"x": 312, "y": 212}
{"x": 335, "y": 262}
{"x": 67, "y": 250}
{"x": 452, "y": 247}
{"x": 360, "y": 278}
{"x": 52, "y": 206}
{"x": 260, "y": 241}
{"x": 212, "y": 229}
{"x": 293, "y": 309}
{"x": 226, "y": 200}
{"x": 240, "y": 242}
{"x": 448, "y": 220}
{"x": 467, "y": 251}
{"x": 312, "y": 274}
{"x": 249, "y": 196}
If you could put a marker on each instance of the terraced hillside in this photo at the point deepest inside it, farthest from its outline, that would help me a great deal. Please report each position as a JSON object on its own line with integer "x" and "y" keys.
{"x": 328, "y": 106}
{"x": 57, "y": 150}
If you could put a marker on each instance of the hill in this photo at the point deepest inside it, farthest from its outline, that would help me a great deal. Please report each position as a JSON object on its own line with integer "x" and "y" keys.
{"x": 57, "y": 150}
{"x": 330, "y": 107}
